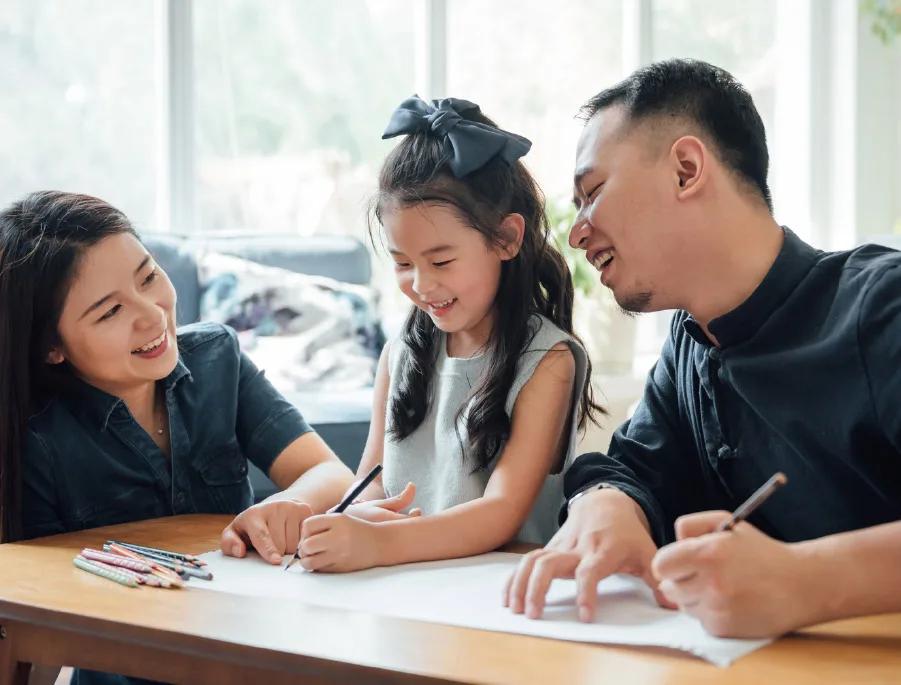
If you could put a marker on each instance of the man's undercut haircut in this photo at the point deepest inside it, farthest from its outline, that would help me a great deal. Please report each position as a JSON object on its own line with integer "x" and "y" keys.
{"x": 702, "y": 94}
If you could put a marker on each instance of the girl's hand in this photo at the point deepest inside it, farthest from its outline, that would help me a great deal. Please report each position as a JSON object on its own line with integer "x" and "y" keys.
{"x": 337, "y": 543}
{"x": 387, "y": 509}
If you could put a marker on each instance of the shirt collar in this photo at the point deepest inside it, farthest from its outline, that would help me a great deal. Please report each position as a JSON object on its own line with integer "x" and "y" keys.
{"x": 794, "y": 261}
{"x": 96, "y": 406}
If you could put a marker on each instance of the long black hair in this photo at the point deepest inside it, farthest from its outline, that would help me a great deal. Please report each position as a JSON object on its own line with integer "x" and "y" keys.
{"x": 536, "y": 281}
{"x": 42, "y": 239}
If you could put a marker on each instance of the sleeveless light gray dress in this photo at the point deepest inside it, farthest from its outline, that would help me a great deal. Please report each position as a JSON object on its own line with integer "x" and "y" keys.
{"x": 433, "y": 456}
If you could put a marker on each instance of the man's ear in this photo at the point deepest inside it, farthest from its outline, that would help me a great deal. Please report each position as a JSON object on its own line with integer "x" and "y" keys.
{"x": 54, "y": 356}
{"x": 689, "y": 158}
{"x": 513, "y": 228}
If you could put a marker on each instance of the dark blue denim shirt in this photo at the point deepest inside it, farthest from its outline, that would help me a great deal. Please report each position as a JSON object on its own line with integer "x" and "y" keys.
{"x": 88, "y": 463}
{"x": 807, "y": 380}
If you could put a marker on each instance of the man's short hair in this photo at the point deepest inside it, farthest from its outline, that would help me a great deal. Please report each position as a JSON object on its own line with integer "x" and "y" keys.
{"x": 706, "y": 95}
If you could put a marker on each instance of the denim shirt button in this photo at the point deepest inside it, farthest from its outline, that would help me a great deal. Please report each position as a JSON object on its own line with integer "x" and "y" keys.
{"x": 713, "y": 353}
{"x": 725, "y": 452}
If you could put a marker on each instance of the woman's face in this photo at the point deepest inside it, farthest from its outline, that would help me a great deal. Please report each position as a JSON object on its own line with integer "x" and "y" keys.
{"x": 117, "y": 327}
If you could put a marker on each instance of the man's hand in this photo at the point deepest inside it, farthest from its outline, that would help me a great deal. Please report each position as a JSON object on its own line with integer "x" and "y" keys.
{"x": 606, "y": 532}
{"x": 387, "y": 509}
{"x": 271, "y": 527}
{"x": 739, "y": 583}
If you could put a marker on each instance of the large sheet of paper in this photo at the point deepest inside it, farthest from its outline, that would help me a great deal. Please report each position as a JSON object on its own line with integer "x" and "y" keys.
{"x": 467, "y": 592}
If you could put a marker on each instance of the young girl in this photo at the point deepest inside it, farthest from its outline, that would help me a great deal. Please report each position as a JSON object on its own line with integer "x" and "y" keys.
{"x": 480, "y": 398}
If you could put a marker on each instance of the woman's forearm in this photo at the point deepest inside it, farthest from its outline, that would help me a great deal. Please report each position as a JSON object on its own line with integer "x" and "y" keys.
{"x": 321, "y": 486}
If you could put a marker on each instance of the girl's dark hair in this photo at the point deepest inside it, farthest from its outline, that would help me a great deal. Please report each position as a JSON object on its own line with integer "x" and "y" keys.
{"x": 42, "y": 239}
{"x": 536, "y": 281}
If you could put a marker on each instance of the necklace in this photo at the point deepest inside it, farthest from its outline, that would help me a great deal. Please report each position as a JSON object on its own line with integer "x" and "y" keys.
{"x": 162, "y": 421}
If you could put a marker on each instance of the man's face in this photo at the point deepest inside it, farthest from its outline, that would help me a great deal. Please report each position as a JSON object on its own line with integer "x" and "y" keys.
{"x": 623, "y": 191}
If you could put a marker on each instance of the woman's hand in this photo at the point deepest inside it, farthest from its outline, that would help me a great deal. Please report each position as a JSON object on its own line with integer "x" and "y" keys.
{"x": 271, "y": 527}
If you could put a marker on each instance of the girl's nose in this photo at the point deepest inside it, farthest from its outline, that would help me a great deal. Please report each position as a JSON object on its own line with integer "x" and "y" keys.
{"x": 422, "y": 283}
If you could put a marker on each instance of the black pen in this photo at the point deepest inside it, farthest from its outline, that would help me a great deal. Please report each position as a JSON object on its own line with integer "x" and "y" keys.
{"x": 776, "y": 481}
{"x": 348, "y": 500}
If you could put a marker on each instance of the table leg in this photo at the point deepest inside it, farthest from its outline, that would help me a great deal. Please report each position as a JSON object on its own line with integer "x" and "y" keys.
{"x": 12, "y": 671}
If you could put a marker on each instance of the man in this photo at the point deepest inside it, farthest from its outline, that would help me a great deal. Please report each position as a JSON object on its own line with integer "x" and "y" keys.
{"x": 780, "y": 358}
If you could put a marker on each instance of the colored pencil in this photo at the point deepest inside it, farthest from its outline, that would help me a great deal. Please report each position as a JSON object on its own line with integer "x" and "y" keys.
{"x": 116, "y": 560}
{"x": 158, "y": 570}
{"x": 178, "y": 556}
{"x": 147, "y": 579}
{"x": 115, "y": 576}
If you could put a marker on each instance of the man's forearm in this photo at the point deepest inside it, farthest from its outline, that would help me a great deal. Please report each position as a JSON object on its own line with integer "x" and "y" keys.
{"x": 854, "y": 573}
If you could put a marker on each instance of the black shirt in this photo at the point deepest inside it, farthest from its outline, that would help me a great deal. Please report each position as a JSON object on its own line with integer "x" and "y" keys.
{"x": 807, "y": 381}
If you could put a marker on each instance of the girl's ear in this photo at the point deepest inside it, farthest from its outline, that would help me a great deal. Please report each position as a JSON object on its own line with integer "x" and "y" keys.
{"x": 512, "y": 229}
{"x": 54, "y": 356}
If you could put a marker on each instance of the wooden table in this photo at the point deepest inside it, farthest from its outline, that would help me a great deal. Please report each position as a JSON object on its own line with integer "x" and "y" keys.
{"x": 52, "y": 613}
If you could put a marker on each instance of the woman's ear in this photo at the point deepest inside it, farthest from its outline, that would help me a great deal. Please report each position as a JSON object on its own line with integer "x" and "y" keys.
{"x": 513, "y": 228}
{"x": 54, "y": 356}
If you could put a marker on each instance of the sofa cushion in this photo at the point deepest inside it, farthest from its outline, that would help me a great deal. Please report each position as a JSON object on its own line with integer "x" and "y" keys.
{"x": 340, "y": 257}
{"x": 176, "y": 259}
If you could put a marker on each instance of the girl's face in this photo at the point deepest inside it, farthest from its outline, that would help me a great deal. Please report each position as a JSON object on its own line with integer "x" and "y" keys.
{"x": 445, "y": 267}
{"x": 117, "y": 327}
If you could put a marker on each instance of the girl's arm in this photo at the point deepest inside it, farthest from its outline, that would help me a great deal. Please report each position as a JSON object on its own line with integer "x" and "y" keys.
{"x": 539, "y": 429}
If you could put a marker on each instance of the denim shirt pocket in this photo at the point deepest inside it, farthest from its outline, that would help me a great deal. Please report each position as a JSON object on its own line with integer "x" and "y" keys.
{"x": 224, "y": 484}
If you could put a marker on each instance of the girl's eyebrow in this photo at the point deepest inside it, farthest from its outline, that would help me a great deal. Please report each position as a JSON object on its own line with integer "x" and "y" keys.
{"x": 431, "y": 250}
{"x": 103, "y": 299}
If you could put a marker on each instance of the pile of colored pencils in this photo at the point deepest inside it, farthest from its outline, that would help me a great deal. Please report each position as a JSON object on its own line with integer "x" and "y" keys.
{"x": 134, "y": 565}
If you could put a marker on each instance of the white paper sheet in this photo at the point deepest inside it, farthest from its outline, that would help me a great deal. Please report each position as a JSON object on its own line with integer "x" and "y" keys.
{"x": 467, "y": 592}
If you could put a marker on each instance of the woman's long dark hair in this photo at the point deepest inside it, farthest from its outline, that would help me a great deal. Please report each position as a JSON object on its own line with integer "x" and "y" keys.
{"x": 536, "y": 281}
{"x": 42, "y": 239}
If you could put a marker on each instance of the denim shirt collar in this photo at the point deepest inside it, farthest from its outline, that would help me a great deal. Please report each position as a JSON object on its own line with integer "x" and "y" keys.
{"x": 97, "y": 406}
{"x": 793, "y": 263}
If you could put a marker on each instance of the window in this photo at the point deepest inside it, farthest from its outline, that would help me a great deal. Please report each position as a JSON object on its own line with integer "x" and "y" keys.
{"x": 531, "y": 65}
{"x": 79, "y": 111}
{"x": 290, "y": 101}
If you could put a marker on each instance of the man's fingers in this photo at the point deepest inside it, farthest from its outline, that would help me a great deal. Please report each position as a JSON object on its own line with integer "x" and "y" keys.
{"x": 693, "y": 525}
{"x": 592, "y": 569}
{"x": 546, "y": 568}
{"x": 659, "y": 595}
{"x": 685, "y": 593}
{"x": 231, "y": 543}
{"x": 678, "y": 560}
{"x": 518, "y": 582}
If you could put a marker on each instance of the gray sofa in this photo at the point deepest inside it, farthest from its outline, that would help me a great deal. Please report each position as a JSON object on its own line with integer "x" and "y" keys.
{"x": 342, "y": 419}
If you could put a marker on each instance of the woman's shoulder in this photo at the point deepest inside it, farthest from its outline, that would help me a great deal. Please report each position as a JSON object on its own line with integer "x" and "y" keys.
{"x": 206, "y": 334}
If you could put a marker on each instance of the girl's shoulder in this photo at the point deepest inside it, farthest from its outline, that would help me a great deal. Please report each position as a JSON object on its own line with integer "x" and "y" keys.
{"x": 544, "y": 334}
